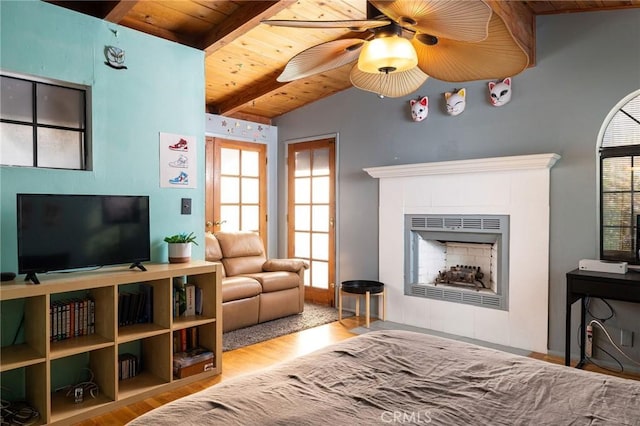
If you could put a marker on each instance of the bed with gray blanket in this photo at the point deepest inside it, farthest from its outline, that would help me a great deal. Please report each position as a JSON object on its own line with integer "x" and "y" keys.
{"x": 403, "y": 377}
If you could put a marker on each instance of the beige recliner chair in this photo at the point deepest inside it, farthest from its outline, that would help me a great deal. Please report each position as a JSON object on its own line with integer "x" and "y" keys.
{"x": 254, "y": 289}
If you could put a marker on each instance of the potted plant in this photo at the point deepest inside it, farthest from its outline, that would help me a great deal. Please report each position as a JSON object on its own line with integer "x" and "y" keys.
{"x": 180, "y": 247}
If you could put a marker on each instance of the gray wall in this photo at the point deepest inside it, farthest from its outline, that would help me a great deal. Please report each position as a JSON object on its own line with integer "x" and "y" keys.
{"x": 586, "y": 63}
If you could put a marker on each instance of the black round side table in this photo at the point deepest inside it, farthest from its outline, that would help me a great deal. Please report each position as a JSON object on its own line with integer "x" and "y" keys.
{"x": 362, "y": 287}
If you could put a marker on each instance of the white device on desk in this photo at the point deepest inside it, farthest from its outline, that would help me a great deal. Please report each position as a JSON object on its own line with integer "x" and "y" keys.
{"x": 602, "y": 266}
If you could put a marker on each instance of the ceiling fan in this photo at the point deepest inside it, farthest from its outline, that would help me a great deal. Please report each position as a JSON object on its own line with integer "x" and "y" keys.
{"x": 410, "y": 40}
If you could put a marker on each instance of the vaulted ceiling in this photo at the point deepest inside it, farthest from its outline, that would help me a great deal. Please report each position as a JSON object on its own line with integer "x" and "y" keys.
{"x": 243, "y": 57}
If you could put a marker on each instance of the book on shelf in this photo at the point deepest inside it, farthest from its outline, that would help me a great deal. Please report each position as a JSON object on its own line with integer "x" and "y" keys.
{"x": 92, "y": 316}
{"x": 135, "y": 307}
{"x": 71, "y": 318}
{"x": 55, "y": 311}
{"x": 86, "y": 317}
{"x": 179, "y": 301}
{"x": 186, "y": 358}
{"x": 190, "y": 300}
{"x": 76, "y": 317}
{"x": 183, "y": 340}
{"x": 147, "y": 314}
{"x": 186, "y": 339}
{"x": 193, "y": 361}
{"x": 192, "y": 337}
{"x": 198, "y": 300}
{"x": 121, "y": 297}
{"x": 125, "y": 309}
{"x": 128, "y": 366}
{"x": 138, "y": 317}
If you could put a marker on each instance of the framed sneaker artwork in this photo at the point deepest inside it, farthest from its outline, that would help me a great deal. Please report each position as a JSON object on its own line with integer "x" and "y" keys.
{"x": 177, "y": 161}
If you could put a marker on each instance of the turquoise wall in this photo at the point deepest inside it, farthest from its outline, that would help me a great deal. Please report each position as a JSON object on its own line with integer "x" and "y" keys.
{"x": 161, "y": 91}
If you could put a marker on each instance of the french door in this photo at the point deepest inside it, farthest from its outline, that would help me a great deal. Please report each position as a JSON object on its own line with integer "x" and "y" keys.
{"x": 235, "y": 186}
{"x": 311, "y": 215}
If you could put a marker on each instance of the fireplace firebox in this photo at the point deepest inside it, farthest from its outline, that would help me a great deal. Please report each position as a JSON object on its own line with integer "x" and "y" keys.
{"x": 458, "y": 258}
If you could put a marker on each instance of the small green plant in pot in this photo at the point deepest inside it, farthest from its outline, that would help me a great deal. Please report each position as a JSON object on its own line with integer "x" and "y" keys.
{"x": 180, "y": 247}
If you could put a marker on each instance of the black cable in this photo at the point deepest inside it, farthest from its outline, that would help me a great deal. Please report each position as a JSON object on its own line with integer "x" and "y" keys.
{"x": 611, "y": 315}
{"x": 17, "y": 412}
{"x": 612, "y": 357}
{"x": 579, "y": 339}
{"x": 15, "y": 338}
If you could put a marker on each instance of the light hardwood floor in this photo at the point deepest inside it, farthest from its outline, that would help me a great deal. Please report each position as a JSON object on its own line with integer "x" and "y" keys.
{"x": 261, "y": 355}
{"x": 241, "y": 361}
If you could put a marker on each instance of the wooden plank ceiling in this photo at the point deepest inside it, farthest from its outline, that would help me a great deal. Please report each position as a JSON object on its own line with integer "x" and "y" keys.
{"x": 244, "y": 57}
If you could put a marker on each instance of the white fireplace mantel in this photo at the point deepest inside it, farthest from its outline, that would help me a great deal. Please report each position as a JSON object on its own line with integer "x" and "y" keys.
{"x": 517, "y": 186}
{"x": 519, "y": 162}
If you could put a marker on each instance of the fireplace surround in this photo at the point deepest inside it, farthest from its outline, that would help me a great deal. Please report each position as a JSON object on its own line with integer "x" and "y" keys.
{"x": 517, "y": 187}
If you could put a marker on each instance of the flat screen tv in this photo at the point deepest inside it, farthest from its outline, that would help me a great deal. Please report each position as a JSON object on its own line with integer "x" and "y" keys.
{"x": 66, "y": 232}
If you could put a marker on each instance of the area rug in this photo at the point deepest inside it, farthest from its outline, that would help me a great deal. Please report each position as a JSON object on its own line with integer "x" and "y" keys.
{"x": 312, "y": 316}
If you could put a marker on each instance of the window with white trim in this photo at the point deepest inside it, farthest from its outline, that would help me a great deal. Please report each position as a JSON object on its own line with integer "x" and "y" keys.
{"x": 43, "y": 124}
{"x": 620, "y": 184}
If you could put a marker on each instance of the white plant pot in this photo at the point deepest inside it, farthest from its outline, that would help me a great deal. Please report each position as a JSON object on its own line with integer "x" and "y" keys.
{"x": 179, "y": 252}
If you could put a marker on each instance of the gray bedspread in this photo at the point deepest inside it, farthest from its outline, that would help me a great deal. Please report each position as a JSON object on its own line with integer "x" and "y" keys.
{"x": 400, "y": 377}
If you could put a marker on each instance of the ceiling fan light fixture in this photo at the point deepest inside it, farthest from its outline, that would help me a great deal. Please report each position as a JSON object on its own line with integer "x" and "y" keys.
{"x": 387, "y": 55}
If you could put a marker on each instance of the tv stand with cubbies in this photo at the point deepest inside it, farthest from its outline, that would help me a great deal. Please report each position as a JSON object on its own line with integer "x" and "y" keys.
{"x": 38, "y": 359}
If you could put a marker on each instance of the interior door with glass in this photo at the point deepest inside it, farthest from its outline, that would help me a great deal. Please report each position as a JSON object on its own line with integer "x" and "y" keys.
{"x": 311, "y": 215}
{"x": 236, "y": 194}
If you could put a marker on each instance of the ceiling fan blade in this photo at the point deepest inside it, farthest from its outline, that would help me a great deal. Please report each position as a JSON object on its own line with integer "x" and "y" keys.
{"x": 323, "y": 57}
{"x": 353, "y": 25}
{"x": 454, "y": 19}
{"x": 392, "y": 85}
{"x": 498, "y": 56}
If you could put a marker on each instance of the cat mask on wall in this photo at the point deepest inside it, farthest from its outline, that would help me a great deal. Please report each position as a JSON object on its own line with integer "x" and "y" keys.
{"x": 455, "y": 102}
{"x": 500, "y": 92}
{"x": 419, "y": 109}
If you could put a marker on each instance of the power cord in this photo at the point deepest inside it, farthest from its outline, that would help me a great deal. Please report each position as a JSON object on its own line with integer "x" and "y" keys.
{"x": 81, "y": 388}
{"x": 601, "y": 326}
{"x": 15, "y": 337}
{"x": 611, "y": 311}
{"x": 17, "y": 413}
{"x": 592, "y": 361}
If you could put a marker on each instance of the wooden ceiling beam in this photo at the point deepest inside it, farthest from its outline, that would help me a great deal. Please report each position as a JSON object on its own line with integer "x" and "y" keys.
{"x": 250, "y": 117}
{"x": 97, "y": 9}
{"x": 154, "y": 30}
{"x": 119, "y": 10}
{"x": 245, "y": 18}
{"x": 263, "y": 87}
{"x": 521, "y": 22}
{"x": 237, "y": 101}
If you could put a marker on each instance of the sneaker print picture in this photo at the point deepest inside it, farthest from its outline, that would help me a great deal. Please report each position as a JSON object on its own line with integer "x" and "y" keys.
{"x": 182, "y": 162}
{"x": 181, "y": 179}
{"x": 181, "y": 145}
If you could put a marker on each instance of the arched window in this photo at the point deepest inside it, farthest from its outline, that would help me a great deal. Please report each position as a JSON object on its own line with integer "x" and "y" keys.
{"x": 620, "y": 182}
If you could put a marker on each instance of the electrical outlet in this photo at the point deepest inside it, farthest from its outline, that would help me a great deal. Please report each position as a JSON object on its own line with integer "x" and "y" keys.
{"x": 588, "y": 342}
{"x": 626, "y": 338}
{"x": 185, "y": 204}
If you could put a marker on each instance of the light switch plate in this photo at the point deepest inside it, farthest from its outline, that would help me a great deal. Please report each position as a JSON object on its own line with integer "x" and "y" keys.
{"x": 185, "y": 205}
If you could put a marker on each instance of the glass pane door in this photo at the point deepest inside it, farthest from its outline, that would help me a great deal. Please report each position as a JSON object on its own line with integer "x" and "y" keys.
{"x": 311, "y": 214}
{"x": 238, "y": 186}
